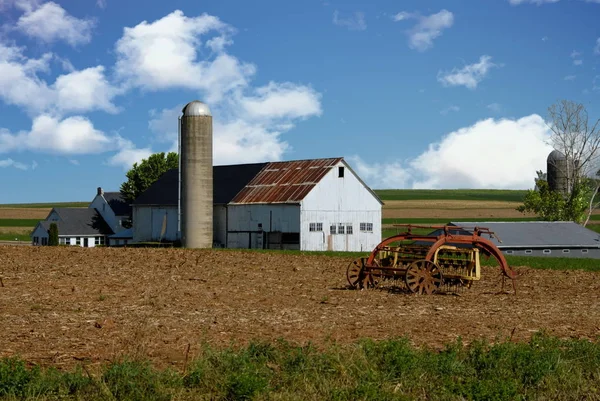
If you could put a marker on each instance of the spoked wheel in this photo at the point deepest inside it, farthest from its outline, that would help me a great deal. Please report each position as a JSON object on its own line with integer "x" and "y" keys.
{"x": 357, "y": 276}
{"x": 423, "y": 277}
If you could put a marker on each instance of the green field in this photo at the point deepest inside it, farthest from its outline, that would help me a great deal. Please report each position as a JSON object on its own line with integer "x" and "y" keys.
{"x": 18, "y": 222}
{"x": 543, "y": 368}
{"x": 452, "y": 194}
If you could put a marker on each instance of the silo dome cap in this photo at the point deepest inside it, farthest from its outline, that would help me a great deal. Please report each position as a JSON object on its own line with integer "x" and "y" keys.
{"x": 196, "y": 108}
{"x": 555, "y": 155}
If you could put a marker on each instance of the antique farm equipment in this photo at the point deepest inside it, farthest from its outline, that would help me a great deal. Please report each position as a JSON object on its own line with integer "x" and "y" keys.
{"x": 445, "y": 260}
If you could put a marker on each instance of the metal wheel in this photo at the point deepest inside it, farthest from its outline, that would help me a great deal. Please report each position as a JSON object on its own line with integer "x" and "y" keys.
{"x": 423, "y": 276}
{"x": 357, "y": 276}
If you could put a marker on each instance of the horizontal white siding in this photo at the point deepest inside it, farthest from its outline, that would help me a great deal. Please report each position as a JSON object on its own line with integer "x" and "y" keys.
{"x": 284, "y": 218}
{"x": 344, "y": 200}
{"x": 243, "y": 223}
{"x": 148, "y": 223}
{"x": 358, "y": 241}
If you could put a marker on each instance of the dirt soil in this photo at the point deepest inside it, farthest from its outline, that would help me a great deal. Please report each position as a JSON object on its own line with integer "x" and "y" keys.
{"x": 62, "y": 306}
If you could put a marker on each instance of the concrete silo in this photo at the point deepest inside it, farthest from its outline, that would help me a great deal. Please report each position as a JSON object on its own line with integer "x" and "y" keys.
{"x": 196, "y": 176}
{"x": 558, "y": 170}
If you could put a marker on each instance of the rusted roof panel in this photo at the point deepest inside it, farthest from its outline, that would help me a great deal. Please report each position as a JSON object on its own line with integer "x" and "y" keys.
{"x": 285, "y": 182}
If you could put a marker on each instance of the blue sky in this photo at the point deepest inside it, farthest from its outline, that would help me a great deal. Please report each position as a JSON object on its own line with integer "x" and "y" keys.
{"x": 414, "y": 94}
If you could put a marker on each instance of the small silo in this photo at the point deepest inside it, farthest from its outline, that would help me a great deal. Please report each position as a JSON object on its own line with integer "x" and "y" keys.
{"x": 558, "y": 172}
{"x": 196, "y": 176}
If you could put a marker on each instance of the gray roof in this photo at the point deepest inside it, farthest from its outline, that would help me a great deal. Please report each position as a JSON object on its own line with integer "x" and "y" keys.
{"x": 538, "y": 234}
{"x": 227, "y": 182}
{"x": 78, "y": 221}
{"x": 117, "y": 204}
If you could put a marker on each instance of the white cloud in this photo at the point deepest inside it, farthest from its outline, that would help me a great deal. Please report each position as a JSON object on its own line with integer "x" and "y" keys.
{"x": 49, "y": 22}
{"x": 101, "y": 3}
{"x": 73, "y": 135}
{"x": 164, "y": 54}
{"x": 449, "y": 109}
{"x": 469, "y": 75}
{"x": 85, "y": 90}
{"x": 537, "y": 2}
{"x": 577, "y": 62}
{"x": 356, "y": 22}
{"x": 597, "y": 47}
{"x": 428, "y": 28}
{"x": 281, "y": 101}
{"x": 128, "y": 154}
{"x": 77, "y": 91}
{"x": 510, "y": 152}
{"x": 74, "y": 162}
{"x": 11, "y": 163}
{"x": 570, "y": 77}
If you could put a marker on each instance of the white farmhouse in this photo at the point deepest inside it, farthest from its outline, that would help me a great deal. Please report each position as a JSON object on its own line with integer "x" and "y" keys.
{"x": 317, "y": 205}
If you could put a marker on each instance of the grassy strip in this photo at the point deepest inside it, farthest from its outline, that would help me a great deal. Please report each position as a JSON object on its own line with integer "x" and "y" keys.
{"x": 452, "y": 194}
{"x": 44, "y": 205}
{"x": 543, "y": 368}
{"x": 19, "y": 222}
{"x": 12, "y": 236}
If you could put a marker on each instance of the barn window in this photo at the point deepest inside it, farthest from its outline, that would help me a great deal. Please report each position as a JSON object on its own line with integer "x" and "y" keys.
{"x": 509, "y": 251}
{"x": 332, "y": 229}
{"x": 528, "y": 251}
{"x": 315, "y": 227}
{"x": 340, "y": 228}
{"x": 546, "y": 251}
{"x": 584, "y": 251}
{"x": 366, "y": 227}
{"x": 566, "y": 251}
{"x": 341, "y": 172}
{"x": 349, "y": 229}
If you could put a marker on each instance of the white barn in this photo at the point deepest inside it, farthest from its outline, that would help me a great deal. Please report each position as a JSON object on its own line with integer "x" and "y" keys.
{"x": 316, "y": 205}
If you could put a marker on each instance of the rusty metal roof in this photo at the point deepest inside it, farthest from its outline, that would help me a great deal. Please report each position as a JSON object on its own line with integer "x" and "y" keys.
{"x": 285, "y": 182}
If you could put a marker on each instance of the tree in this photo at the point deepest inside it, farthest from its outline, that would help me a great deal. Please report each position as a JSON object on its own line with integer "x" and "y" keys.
{"x": 144, "y": 174}
{"x": 141, "y": 176}
{"x": 53, "y": 235}
{"x": 579, "y": 141}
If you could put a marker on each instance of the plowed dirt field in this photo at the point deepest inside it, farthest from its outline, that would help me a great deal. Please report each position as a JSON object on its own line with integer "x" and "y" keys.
{"x": 61, "y": 306}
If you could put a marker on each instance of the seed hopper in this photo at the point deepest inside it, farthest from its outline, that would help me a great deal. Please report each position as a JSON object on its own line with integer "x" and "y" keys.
{"x": 446, "y": 260}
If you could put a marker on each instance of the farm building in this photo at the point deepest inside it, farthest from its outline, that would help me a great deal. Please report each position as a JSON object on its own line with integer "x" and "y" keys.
{"x": 101, "y": 223}
{"x": 542, "y": 238}
{"x": 318, "y": 204}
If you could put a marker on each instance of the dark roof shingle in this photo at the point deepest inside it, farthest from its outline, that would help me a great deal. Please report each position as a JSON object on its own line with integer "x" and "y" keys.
{"x": 227, "y": 182}
{"x": 117, "y": 204}
{"x": 538, "y": 234}
{"x": 79, "y": 221}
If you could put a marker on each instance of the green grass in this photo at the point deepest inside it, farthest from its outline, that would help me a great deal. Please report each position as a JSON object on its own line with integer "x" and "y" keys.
{"x": 452, "y": 194}
{"x": 543, "y": 368}
{"x": 12, "y": 236}
{"x": 19, "y": 222}
{"x": 45, "y": 205}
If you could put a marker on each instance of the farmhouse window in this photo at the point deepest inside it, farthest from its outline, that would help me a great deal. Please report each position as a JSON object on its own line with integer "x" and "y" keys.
{"x": 44, "y": 240}
{"x": 349, "y": 229}
{"x": 36, "y": 240}
{"x": 366, "y": 227}
{"x": 77, "y": 241}
{"x": 62, "y": 241}
{"x": 332, "y": 229}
